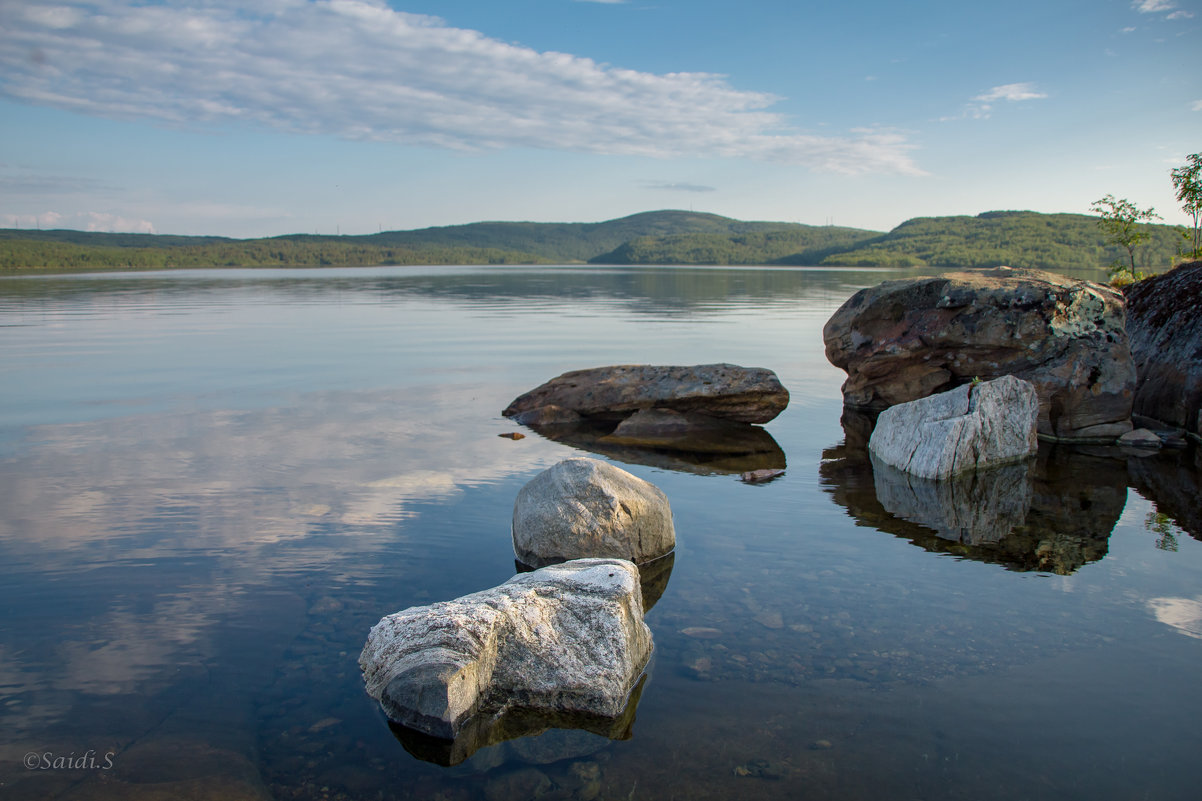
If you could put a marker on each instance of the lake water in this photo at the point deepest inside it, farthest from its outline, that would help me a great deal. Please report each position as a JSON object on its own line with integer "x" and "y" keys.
{"x": 213, "y": 483}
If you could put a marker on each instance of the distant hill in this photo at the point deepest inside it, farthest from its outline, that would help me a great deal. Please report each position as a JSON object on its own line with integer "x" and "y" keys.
{"x": 1017, "y": 238}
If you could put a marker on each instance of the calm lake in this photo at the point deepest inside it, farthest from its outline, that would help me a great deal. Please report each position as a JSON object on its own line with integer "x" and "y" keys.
{"x": 213, "y": 483}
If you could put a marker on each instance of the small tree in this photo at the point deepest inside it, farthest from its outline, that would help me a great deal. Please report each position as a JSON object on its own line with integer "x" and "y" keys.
{"x": 1187, "y": 181}
{"x": 1120, "y": 221}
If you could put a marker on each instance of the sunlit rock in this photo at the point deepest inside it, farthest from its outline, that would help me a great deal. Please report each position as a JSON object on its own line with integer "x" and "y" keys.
{"x": 564, "y": 640}
{"x": 582, "y": 508}
{"x": 907, "y": 339}
{"x": 968, "y": 428}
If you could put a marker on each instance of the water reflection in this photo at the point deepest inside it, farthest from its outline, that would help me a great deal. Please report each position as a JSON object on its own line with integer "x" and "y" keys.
{"x": 738, "y": 448}
{"x": 1173, "y": 481}
{"x": 532, "y": 737}
{"x": 1052, "y": 514}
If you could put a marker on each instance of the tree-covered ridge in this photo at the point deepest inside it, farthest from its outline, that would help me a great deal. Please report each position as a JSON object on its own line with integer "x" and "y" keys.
{"x": 475, "y": 243}
{"x": 1016, "y": 238}
{"x": 25, "y": 254}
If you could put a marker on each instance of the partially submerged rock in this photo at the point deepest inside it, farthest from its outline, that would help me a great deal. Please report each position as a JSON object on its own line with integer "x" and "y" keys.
{"x": 904, "y": 340}
{"x": 744, "y": 394}
{"x": 690, "y": 432}
{"x": 969, "y": 428}
{"x": 1164, "y": 321}
{"x": 588, "y": 508}
{"x": 564, "y": 640}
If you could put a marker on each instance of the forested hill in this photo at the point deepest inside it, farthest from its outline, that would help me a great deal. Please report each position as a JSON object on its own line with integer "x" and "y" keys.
{"x": 1020, "y": 239}
{"x": 1016, "y": 238}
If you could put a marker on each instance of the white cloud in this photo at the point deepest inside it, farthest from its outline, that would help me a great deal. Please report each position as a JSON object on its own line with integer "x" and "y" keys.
{"x": 82, "y": 221}
{"x": 357, "y": 69}
{"x": 1161, "y": 7}
{"x": 982, "y": 106}
{"x": 1196, "y": 105}
{"x": 680, "y": 187}
{"x": 1012, "y": 92}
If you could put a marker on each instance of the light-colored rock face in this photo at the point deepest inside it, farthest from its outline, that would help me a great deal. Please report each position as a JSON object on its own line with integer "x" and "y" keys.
{"x": 1164, "y": 321}
{"x": 566, "y": 639}
{"x": 968, "y": 428}
{"x": 745, "y": 394}
{"x": 588, "y": 508}
{"x": 907, "y": 339}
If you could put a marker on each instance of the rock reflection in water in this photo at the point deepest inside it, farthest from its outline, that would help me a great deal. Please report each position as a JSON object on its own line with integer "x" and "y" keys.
{"x": 1073, "y": 498}
{"x": 1173, "y": 481}
{"x": 529, "y": 736}
{"x": 735, "y": 449}
{"x": 974, "y": 508}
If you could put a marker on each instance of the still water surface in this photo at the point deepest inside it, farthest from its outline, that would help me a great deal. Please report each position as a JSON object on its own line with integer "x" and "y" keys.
{"x": 212, "y": 483}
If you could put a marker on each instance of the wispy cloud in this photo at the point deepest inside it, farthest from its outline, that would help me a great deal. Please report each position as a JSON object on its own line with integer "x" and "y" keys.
{"x": 357, "y": 69}
{"x": 1012, "y": 92}
{"x": 1196, "y": 105}
{"x": 82, "y": 221}
{"x": 680, "y": 187}
{"x": 981, "y": 106}
{"x": 1167, "y": 7}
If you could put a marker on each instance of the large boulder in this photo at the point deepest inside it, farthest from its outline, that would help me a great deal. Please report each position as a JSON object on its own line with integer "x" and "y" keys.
{"x": 1164, "y": 321}
{"x": 907, "y": 339}
{"x": 564, "y": 640}
{"x": 968, "y": 428}
{"x": 588, "y": 508}
{"x": 744, "y": 394}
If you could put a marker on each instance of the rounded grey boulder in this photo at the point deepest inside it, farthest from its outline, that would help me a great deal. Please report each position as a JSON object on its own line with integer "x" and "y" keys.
{"x": 586, "y": 508}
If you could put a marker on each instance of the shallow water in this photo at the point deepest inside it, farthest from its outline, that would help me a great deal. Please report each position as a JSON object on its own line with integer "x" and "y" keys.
{"x": 212, "y": 483}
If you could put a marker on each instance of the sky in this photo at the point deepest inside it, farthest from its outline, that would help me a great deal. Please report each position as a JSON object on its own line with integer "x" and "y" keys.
{"x": 354, "y": 116}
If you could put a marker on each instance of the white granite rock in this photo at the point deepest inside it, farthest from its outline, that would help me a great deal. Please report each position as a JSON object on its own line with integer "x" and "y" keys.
{"x": 566, "y": 639}
{"x": 586, "y": 508}
{"x": 968, "y": 428}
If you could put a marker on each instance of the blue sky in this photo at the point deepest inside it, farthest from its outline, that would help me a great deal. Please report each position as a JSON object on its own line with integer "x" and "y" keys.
{"x": 352, "y": 116}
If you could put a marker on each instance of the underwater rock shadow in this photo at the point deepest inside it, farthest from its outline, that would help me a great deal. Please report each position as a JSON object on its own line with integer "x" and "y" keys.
{"x": 738, "y": 448}
{"x": 1053, "y": 513}
{"x": 534, "y": 736}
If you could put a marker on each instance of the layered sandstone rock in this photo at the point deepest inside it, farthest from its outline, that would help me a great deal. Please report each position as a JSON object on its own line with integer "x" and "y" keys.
{"x": 907, "y": 339}
{"x": 727, "y": 391}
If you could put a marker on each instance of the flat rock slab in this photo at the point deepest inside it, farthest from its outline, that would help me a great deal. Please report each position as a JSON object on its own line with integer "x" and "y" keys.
{"x": 745, "y": 394}
{"x": 564, "y": 640}
{"x": 969, "y": 428}
{"x": 584, "y": 507}
{"x": 908, "y": 339}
